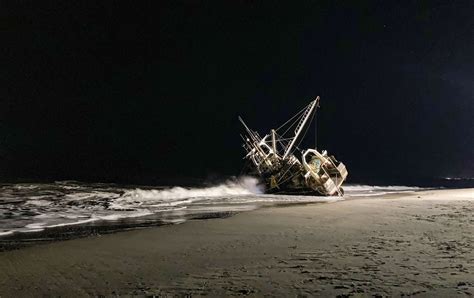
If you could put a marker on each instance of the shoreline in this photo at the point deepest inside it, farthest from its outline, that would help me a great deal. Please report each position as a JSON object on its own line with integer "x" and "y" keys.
{"x": 21, "y": 240}
{"x": 95, "y": 228}
{"x": 412, "y": 243}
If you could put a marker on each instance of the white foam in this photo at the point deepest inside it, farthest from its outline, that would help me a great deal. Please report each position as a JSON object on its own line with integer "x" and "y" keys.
{"x": 72, "y": 223}
{"x": 38, "y": 202}
{"x": 243, "y": 186}
{"x": 374, "y": 191}
{"x": 24, "y": 186}
{"x": 372, "y": 188}
{"x": 122, "y": 215}
{"x": 90, "y": 194}
{"x": 37, "y": 225}
{"x": 6, "y": 233}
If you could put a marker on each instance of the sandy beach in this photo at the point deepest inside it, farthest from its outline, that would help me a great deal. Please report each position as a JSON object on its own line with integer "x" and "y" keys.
{"x": 412, "y": 244}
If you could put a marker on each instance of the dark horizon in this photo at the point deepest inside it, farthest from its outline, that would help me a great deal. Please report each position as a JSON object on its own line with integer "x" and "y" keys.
{"x": 150, "y": 93}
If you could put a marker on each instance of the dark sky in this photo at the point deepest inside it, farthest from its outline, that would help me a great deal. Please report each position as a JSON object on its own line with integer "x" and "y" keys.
{"x": 147, "y": 92}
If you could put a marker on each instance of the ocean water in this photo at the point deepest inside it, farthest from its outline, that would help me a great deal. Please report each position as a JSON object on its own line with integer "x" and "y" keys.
{"x": 36, "y": 207}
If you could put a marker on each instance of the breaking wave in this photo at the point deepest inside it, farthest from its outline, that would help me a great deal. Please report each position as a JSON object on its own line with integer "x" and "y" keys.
{"x": 242, "y": 186}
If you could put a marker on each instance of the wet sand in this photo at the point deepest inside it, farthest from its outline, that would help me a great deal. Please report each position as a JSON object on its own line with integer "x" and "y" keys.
{"x": 418, "y": 243}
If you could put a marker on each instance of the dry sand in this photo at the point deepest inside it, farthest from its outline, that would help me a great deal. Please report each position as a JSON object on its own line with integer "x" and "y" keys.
{"x": 409, "y": 244}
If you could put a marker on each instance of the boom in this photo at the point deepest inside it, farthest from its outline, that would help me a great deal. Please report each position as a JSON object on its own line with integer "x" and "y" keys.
{"x": 299, "y": 128}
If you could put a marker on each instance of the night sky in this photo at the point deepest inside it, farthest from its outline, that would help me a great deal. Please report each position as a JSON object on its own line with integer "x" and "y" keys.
{"x": 145, "y": 92}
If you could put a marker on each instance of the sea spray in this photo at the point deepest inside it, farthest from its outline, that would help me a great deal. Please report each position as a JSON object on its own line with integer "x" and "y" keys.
{"x": 239, "y": 186}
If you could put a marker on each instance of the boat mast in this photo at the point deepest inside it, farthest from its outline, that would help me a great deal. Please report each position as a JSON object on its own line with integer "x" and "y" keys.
{"x": 252, "y": 135}
{"x": 301, "y": 125}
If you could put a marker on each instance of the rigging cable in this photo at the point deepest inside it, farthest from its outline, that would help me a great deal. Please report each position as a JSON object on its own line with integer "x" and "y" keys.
{"x": 292, "y": 118}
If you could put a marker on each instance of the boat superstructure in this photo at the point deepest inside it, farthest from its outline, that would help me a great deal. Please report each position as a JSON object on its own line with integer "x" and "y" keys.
{"x": 284, "y": 168}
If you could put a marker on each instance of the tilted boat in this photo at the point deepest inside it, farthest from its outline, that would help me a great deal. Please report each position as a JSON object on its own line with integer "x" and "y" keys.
{"x": 285, "y": 168}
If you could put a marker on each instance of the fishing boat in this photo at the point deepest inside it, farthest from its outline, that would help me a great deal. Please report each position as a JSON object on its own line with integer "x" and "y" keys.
{"x": 283, "y": 167}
